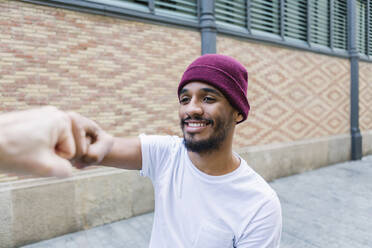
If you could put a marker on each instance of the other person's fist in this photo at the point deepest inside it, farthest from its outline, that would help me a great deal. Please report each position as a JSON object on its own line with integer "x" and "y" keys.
{"x": 37, "y": 141}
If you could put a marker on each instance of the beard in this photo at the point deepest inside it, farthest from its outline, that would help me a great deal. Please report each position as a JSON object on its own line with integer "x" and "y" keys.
{"x": 221, "y": 127}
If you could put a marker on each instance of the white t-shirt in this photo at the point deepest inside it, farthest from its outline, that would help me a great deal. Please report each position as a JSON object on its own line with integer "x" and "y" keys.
{"x": 196, "y": 210}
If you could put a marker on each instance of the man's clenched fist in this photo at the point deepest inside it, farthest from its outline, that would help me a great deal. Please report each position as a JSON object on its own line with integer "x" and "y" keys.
{"x": 92, "y": 143}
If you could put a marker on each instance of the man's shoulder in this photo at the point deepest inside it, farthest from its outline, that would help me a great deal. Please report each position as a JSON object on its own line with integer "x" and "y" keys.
{"x": 157, "y": 153}
{"x": 169, "y": 140}
{"x": 256, "y": 184}
{"x": 167, "y": 145}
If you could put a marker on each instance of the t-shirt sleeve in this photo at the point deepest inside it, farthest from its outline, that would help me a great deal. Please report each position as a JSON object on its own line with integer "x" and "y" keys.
{"x": 265, "y": 230}
{"x": 156, "y": 151}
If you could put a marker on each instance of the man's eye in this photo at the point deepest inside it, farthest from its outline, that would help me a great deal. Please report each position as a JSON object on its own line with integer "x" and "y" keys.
{"x": 209, "y": 99}
{"x": 184, "y": 100}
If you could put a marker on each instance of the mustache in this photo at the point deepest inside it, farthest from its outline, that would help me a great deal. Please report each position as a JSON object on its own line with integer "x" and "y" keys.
{"x": 196, "y": 118}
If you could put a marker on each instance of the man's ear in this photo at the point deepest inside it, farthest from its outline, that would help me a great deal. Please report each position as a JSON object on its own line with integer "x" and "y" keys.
{"x": 238, "y": 117}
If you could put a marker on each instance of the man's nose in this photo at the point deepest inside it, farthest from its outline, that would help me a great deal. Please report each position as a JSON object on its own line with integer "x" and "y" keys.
{"x": 194, "y": 108}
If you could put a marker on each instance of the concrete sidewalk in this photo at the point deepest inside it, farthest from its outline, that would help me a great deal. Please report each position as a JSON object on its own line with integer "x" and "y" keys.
{"x": 327, "y": 208}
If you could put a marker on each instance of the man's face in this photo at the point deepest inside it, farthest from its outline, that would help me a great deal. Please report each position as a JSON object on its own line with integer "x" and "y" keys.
{"x": 206, "y": 116}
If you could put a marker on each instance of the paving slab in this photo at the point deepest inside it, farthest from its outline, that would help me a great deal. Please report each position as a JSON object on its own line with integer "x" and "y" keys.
{"x": 130, "y": 233}
{"x": 327, "y": 208}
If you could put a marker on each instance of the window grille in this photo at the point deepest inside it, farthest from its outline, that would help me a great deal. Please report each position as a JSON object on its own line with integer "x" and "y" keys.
{"x": 186, "y": 8}
{"x": 361, "y": 26}
{"x": 323, "y": 24}
{"x": 231, "y": 12}
{"x": 265, "y": 16}
{"x": 319, "y": 26}
{"x": 340, "y": 24}
{"x": 295, "y": 19}
{"x": 138, "y": 2}
{"x": 369, "y": 43}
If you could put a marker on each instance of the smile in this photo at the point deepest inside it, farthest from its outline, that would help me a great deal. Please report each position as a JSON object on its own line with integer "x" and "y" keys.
{"x": 196, "y": 124}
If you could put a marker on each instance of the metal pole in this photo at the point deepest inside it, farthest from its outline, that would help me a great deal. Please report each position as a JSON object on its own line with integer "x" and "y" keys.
{"x": 208, "y": 26}
{"x": 356, "y": 137}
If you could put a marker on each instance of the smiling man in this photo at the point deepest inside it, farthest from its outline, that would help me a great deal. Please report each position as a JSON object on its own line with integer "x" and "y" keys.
{"x": 205, "y": 194}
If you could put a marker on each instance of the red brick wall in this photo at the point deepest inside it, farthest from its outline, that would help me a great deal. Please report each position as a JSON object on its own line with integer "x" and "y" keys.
{"x": 123, "y": 74}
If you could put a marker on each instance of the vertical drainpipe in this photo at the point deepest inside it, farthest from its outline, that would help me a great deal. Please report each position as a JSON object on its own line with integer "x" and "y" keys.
{"x": 356, "y": 137}
{"x": 207, "y": 24}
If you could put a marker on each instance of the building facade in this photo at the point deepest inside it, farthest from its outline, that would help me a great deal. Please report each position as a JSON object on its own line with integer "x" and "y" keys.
{"x": 119, "y": 62}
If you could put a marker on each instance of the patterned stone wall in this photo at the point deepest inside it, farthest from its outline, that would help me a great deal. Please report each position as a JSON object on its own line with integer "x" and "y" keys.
{"x": 365, "y": 96}
{"x": 294, "y": 94}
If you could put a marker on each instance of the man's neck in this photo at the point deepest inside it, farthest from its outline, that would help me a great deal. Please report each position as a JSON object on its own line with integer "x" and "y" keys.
{"x": 215, "y": 163}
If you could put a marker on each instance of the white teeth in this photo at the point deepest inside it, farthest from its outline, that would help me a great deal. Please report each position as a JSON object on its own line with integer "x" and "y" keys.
{"x": 196, "y": 124}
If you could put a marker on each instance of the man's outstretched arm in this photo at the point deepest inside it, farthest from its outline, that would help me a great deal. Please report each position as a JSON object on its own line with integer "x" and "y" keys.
{"x": 125, "y": 154}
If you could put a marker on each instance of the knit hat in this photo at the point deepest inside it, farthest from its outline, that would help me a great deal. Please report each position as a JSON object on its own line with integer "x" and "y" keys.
{"x": 224, "y": 73}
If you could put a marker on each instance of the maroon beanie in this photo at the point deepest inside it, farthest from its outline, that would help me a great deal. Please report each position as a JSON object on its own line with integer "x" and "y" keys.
{"x": 224, "y": 73}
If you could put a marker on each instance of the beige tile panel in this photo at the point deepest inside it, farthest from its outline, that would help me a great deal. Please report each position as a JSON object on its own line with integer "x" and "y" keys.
{"x": 294, "y": 95}
{"x": 365, "y": 96}
{"x": 367, "y": 142}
